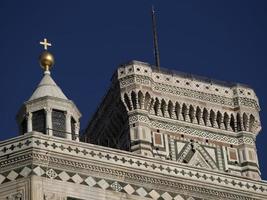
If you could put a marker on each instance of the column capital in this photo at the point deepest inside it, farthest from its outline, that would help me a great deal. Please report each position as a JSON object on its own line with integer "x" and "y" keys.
{"x": 29, "y": 115}
{"x": 48, "y": 110}
{"x": 67, "y": 113}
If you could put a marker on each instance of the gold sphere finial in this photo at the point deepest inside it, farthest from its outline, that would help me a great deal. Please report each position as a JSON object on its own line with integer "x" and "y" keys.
{"x": 46, "y": 59}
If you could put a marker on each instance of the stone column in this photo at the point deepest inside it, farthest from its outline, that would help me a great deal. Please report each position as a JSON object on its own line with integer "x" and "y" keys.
{"x": 77, "y": 129}
{"x": 29, "y": 122}
{"x": 49, "y": 127}
{"x": 68, "y": 126}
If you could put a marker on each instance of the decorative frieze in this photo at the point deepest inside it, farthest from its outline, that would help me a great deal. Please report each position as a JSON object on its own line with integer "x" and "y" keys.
{"x": 178, "y": 128}
{"x": 81, "y": 157}
{"x": 188, "y": 93}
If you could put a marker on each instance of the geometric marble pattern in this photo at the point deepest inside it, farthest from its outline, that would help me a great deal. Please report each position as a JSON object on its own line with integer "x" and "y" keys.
{"x": 2, "y": 178}
{"x": 186, "y": 130}
{"x": 211, "y": 152}
{"x": 91, "y": 182}
{"x": 119, "y": 159}
{"x": 180, "y": 146}
{"x": 12, "y": 175}
{"x": 179, "y": 91}
{"x": 145, "y": 180}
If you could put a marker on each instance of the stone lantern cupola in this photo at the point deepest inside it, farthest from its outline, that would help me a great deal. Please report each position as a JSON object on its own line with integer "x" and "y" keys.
{"x": 48, "y": 110}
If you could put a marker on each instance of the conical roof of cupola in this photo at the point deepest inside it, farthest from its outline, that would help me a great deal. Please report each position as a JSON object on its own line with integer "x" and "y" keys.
{"x": 47, "y": 87}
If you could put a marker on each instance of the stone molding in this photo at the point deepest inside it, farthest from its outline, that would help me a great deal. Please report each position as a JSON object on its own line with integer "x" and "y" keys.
{"x": 79, "y": 157}
{"x": 188, "y": 93}
{"x": 132, "y": 184}
{"x": 182, "y": 129}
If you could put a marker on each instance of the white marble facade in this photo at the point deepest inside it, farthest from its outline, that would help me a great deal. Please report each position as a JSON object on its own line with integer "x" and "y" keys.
{"x": 158, "y": 135}
{"x": 173, "y": 116}
{"x": 37, "y": 166}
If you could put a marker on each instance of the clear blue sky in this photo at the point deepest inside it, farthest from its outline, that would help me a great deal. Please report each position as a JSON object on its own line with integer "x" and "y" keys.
{"x": 225, "y": 40}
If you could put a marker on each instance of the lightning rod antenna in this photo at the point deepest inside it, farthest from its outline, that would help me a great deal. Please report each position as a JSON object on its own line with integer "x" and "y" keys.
{"x": 155, "y": 38}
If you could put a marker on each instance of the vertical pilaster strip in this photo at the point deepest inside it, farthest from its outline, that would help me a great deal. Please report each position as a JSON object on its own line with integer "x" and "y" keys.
{"x": 166, "y": 138}
{"x": 225, "y": 158}
{"x": 172, "y": 147}
{"x": 219, "y": 156}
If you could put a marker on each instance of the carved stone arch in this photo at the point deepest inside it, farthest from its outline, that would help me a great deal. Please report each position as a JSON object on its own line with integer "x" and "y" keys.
{"x": 238, "y": 122}
{"x": 127, "y": 102}
{"x": 177, "y": 110}
{"x": 147, "y": 101}
{"x": 141, "y": 100}
{"x": 198, "y": 115}
{"x": 232, "y": 123}
{"x": 170, "y": 109}
{"x": 226, "y": 121}
{"x": 192, "y": 114}
{"x": 245, "y": 121}
{"x": 163, "y": 107}
{"x": 251, "y": 123}
{"x": 134, "y": 99}
{"x": 184, "y": 112}
{"x": 205, "y": 116}
{"x": 212, "y": 118}
{"x": 219, "y": 119}
{"x": 156, "y": 106}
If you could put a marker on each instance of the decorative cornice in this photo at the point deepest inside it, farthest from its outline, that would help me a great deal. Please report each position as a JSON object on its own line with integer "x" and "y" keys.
{"x": 81, "y": 156}
{"x": 188, "y": 93}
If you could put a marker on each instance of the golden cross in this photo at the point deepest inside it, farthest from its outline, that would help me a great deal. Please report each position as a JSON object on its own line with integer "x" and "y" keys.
{"x": 45, "y": 43}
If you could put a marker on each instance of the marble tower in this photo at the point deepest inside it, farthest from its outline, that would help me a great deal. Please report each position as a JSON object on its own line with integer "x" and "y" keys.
{"x": 157, "y": 134}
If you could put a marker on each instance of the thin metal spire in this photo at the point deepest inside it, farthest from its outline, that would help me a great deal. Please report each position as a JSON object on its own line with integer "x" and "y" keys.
{"x": 155, "y": 38}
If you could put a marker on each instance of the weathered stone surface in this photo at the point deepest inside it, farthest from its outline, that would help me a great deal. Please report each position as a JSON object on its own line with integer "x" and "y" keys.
{"x": 180, "y": 117}
{"x": 41, "y": 167}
